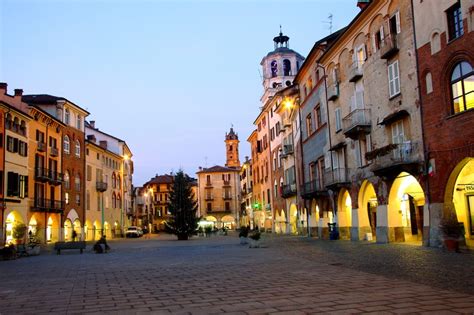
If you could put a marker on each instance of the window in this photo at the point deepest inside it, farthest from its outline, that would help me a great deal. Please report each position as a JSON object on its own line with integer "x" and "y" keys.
{"x": 13, "y": 184}
{"x": 359, "y": 58}
{"x": 286, "y": 67}
{"x": 455, "y": 26}
{"x": 66, "y": 145}
{"x": 317, "y": 116}
{"x": 209, "y": 206}
{"x": 79, "y": 122}
{"x": 398, "y": 134}
{"x": 274, "y": 68}
{"x": 114, "y": 201}
{"x": 462, "y": 86}
{"x": 227, "y": 206}
{"x": 67, "y": 180}
{"x": 89, "y": 173}
{"x": 337, "y": 112}
{"x": 394, "y": 24}
{"x": 78, "y": 148}
{"x": 429, "y": 83}
{"x": 67, "y": 116}
{"x": 40, "y": 136}
{"x": 88, "y": 200}
{"x": 78, "y": 199}
{"x": 309, "y": 125}
{"x": 22, "y": 148}
{"x": 393, "y": 79}
{"x": 114, "y": 181}
{"x": 77, "y": 182}
{"x": 66, "y": 198}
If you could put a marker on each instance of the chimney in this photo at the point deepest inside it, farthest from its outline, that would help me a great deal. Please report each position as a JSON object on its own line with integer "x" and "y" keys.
{"x": 92, "y": 124}
{"x": 362, "y": 4}
{"x": 18, "y": 93}
{"x": 3, "y": 87}
{"x": 103, "y": 144}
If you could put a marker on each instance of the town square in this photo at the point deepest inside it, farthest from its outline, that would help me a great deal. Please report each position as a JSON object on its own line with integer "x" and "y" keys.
{"x": 247, "y": 157}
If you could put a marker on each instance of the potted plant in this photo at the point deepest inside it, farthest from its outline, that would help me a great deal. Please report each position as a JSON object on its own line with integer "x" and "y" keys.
{"x": 243, "y": 235}
{"x": 452, "y": 232}
{"x": 255, "y": 239}
{"x": 19, "y": 232}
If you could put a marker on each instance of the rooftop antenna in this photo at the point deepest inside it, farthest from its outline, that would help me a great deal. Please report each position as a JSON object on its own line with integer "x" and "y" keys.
{"x": 329, "y": 21}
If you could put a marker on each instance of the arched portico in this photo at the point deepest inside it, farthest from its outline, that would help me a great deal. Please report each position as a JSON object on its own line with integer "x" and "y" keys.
{"x": 364, "y": 218}
{"x": 406, "y": 201}
{"x": 13, "y": 219}
{"x": 459, "y": 197}
{"x": 344, "y": 214}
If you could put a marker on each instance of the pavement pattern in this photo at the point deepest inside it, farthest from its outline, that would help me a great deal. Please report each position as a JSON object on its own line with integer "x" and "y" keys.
{"x": 290, "y": 275}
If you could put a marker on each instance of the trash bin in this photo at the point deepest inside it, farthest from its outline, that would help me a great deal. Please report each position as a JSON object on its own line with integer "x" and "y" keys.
{"x": 333, "y": 231}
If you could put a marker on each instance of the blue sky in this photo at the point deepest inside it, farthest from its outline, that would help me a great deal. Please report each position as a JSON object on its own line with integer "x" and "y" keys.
{"x": 169, "y": 77}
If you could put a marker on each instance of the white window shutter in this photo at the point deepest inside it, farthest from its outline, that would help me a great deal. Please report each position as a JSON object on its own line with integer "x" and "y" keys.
{"x": 358, "y": 156}
{"x": 374, "y": 46}
{"x": 327, "y": 160}
{"x": 382, "y": 35}
{"x": 368, "y": 140}
{"x": 397, "y": 18}
{"x": 335, "y": 161}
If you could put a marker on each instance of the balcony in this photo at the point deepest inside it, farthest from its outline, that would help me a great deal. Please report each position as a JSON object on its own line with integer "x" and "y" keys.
{"x": 288, "y": 190}
{"x": 41, "y": 146}
{"x": 287, "y": 150}
{"x": 333, "y": 92}
{"x": 100, "y": 186}
{"x": 48, "y": 205}
{"x": 286, "y": 123}
{"x": 54, "y": 152}
{"x": 390, "y": 47}
{"x": 55, "y": 178}
{"x": 313, "y": 188}
{"x": 391, "y": 160}
{"x": 336, "y": 178}
{"x": 358, "y": 121}
{"x": 209, "y": 198}
{"x": 208, "y": 185}
{"x": 226, "y": 183}
{"x": 356, "y": 72}
{"x": 41, "y": 174}
{"x": 227, "y": 196}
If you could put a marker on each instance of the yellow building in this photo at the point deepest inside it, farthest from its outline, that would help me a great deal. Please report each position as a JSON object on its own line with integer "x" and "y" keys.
{"x": 103, "y": 191}
{"x": 45, "y": 178}
{"x": 219, "y": 188}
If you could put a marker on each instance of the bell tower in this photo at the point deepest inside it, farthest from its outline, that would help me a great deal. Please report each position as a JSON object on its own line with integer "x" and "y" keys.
{"x": 232, "y": 149}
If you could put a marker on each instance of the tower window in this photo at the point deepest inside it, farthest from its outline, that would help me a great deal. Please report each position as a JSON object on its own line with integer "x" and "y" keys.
{"x": 230, "y": 148}
{"x": 274, "y": 68}
{"x": 286, "y": 67}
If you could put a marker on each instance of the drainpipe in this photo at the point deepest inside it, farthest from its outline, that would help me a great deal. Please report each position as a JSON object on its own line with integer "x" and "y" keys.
{"x": 425, "y": 150}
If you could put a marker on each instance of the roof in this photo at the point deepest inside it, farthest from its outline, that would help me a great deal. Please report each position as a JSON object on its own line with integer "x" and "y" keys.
{"x": 11, "y": 107}
{"x": 47, "y": 99}
{"x": 218, "y": 169}
{"x": 283, "y": 50}
{"x": 329, "y": 39}
{"x": 161, "y": 179}
{"x": 231, "y": 135}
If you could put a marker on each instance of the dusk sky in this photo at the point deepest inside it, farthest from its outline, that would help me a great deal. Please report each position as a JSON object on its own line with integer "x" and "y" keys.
{"x": 168, "y": 77}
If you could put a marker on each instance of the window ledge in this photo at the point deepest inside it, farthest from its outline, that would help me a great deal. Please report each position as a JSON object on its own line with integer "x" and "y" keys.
{"x": 460, "y": 113}
{"x": 391, "y": 98}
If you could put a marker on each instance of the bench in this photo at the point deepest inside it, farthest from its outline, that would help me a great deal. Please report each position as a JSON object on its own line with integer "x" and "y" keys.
{"x": 58, "y": 246}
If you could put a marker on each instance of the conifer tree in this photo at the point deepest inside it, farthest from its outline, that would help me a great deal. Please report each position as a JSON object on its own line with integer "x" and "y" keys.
{"x": 183, "y": 221}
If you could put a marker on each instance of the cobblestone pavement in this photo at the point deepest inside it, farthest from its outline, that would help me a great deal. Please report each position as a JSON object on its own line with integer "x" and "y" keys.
{"x": 217, "y": 275}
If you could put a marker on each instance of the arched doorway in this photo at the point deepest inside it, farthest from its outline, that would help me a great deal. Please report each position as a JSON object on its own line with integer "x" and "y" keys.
{"x": 460, "y": 196}
{"x": 405, "y": 209}
{"x": 88, "y": 231}
{"x": 228, "y": 222}
{"x": 293, "y": 219}
{"x": 76, "y": 226}
{"x": 116, "y": 232}
{"x": 97, "y": 230}
{"x": 259, "y": 219}
{"x": 344, "y": 214}
{"x": 33, "y": 229}
{"x": 12, "y": 222}
{"x": 107, "y": 230}
{"x": 364, "y": 220}
{"x": 52, "y": 228}
{"x": 67, "y": 230}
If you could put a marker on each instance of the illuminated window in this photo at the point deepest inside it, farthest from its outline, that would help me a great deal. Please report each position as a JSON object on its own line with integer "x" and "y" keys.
{"x": 462, "y": 86}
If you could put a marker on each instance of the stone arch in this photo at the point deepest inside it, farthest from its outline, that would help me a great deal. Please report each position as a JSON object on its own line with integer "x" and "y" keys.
{"x": 88, "y": 231}
{"x": 107, "y": 230}
{"x": 67, "y": 230}
{"x": 458, "y": 196}
{"x": 76, "y": 226}
{"x": 359, "y": 40}
{"x": 293, "y": 219}
{"x": 344, "y": 213}
{"x": 53, "y": 228}
{"x": 344, "y": 61}
{"x": 12, "y": 219}
{"x": 393, "y": 7}
{"x": 406, "y": 201}
{"x": 96, "y": 230}
{"x": 228, "y": 221}
{"x": 364, "y": 218}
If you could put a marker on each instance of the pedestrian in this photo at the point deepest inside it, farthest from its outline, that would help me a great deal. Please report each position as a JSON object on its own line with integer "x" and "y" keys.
{"x": 74, "y": 235}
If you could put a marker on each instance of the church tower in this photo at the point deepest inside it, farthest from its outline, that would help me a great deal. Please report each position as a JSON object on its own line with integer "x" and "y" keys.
{"x": 279, "y": 67}
{"x": 232, "y": 149}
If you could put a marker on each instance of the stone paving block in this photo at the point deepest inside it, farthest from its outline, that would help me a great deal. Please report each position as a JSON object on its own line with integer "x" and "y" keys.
{"x": 409, "y": 310}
